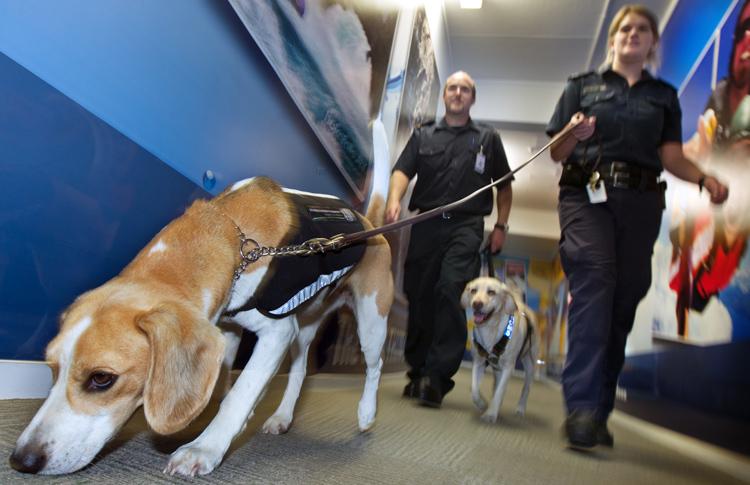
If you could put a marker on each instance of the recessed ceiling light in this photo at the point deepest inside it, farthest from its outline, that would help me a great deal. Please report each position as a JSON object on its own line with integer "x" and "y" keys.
{"x": 470, "y": 3}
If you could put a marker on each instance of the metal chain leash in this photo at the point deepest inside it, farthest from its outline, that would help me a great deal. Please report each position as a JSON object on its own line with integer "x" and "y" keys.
{"x": 318, "y": 245}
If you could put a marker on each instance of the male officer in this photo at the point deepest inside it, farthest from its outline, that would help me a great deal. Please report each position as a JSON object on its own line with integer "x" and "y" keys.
{"x": 452, "y": 158}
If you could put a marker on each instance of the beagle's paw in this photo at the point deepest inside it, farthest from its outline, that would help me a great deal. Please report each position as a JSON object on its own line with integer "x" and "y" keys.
{"x": 193, "y": 459}
{"x": 277, "y": 424}
{"x": 521, "y": 411}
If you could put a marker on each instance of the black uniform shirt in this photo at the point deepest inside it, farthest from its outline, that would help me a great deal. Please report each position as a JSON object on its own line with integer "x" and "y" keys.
{"x": 445, "y": 160}
{"x": 632, "y": 122}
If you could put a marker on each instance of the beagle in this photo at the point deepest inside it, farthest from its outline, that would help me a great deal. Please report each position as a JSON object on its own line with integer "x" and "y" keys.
{"x": 158, "y": 334}
{"x": 503, "y": 332}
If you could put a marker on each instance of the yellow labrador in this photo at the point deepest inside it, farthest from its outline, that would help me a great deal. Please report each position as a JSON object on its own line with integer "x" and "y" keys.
{"x": 149, "y": 336}
{"x": 504, "y": 331}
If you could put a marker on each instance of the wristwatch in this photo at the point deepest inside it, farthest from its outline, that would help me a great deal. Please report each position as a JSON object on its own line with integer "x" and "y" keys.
{"x": 502, "y": 227}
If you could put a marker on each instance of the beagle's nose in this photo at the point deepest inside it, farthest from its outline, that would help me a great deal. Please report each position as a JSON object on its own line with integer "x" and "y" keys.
{"x": 28, "y": 460}
{"x": 477, "y": 305}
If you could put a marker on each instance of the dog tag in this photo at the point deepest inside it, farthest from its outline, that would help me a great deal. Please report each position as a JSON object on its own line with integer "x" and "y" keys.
{"x": 479, "y": 163}
{"x": 595, "y": 188}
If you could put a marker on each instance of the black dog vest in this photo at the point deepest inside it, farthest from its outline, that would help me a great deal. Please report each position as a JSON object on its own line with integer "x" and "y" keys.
{"x": 292, "y": 280}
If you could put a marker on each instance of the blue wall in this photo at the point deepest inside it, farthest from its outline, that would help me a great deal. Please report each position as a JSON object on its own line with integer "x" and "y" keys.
{"x": 686, "y": 34}
{"x": 110, "y": 113}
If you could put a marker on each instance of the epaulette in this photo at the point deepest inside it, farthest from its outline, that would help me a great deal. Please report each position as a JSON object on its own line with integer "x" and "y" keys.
{"x": 580, "y": 75}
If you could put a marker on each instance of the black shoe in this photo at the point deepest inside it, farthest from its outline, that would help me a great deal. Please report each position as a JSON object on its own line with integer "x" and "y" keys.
{"x": 411, "y": 390}
{"x": 581, "y": 429}
{"x": 429, "y": 395}
{"x": 604, "y": 435}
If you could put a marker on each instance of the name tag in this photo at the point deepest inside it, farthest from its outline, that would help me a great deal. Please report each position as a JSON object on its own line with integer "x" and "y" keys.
{"x": 595, "y": 189}
{"x": 479, "y": 162}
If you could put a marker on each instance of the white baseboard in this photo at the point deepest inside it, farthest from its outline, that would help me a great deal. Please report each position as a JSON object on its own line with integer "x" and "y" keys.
{"x": 23, "y": 379}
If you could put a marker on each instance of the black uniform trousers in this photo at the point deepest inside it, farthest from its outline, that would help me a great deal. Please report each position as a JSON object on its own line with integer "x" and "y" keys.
{"x": 443, "y": 256}
{"x": 605, "y": 250}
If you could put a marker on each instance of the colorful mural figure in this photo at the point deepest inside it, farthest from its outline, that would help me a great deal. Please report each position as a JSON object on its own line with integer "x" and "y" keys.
{"x": 709, "y": 244}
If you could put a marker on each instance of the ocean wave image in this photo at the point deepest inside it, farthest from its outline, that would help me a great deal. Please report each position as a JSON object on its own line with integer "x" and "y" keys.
{"x": 322, "y": 56}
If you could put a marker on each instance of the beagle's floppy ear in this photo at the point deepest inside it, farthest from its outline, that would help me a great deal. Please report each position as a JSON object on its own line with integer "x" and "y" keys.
{"x": 186, "y": 356}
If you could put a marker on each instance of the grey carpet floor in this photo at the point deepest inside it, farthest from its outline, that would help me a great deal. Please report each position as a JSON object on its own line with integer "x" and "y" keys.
{"x": 409, "y": 444}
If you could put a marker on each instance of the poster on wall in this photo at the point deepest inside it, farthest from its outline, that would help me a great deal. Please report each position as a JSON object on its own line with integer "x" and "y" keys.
{"x": 421, "y": 85}
{"x": 419, "y": 101}
{"x": 515, "y": 275}
{"x": 701, "y": 263}
{"x": 332, "y": 57}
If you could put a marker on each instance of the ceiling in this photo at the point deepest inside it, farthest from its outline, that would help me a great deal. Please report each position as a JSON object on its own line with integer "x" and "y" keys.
{"x": 517, "y": 47}
{"x": 533, "y": 40}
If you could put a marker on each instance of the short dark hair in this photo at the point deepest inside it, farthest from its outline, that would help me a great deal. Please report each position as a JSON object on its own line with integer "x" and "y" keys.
{"x": 473, "y": 85}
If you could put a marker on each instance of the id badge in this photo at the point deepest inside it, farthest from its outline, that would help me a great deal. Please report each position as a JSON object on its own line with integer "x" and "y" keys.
{"x": 595, "y": 189}
{"x": 479, "y": 162}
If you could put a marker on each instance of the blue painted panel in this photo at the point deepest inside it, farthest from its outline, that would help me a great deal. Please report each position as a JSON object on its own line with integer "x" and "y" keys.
{"x": 79, "y": 201}
{"x": 182, "y": 79}
{"x": 688, "y": 31}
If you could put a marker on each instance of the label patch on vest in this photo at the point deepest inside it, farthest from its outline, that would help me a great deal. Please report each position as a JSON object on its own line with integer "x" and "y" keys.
{"x": 327, "y": 214}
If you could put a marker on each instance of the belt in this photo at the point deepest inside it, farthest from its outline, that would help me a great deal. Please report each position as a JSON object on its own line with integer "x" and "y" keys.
{"x": 619, "y": 175}
{"x": 457, "y": 215}
{"x": 448, "y": 215}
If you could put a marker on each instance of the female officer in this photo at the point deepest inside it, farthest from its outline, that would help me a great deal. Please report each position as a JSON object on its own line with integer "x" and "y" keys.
{"x": 628, "y": 130}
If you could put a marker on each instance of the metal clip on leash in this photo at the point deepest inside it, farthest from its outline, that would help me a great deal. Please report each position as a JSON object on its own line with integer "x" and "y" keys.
{"x": 318, "y": 245}
{"x": 595, "y": 177}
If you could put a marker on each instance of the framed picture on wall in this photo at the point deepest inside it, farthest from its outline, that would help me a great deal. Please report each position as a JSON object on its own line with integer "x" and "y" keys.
{"x": 332, "y": 58}
{"x": 421, "y": 91}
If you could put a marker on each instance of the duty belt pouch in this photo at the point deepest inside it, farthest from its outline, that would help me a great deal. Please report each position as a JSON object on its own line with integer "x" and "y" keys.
{"x": 662, "y": 187}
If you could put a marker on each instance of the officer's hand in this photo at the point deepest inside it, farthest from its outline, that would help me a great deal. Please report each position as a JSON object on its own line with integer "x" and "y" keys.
{"x": 497, "y": 240}
{"x": 585, "y": 126}
{"x": 392, "y": 211}
{"x": 718, "y": 191}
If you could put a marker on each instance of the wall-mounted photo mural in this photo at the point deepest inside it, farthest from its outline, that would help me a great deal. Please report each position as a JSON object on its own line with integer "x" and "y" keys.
{"x": 332, "y": 57}
{"x": 420, "y": 95}
{"x": 701, "y": 264}
{"x": 421, "y": 85}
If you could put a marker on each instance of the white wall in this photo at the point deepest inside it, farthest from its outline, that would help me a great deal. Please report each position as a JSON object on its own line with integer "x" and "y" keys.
{"x": 24, "y": 380}
{"x": 516, "y": 101}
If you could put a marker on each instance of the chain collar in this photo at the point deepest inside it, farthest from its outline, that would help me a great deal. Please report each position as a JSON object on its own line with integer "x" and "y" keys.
{"x": 251, "y": 251}
{"x": 318, "y": 245}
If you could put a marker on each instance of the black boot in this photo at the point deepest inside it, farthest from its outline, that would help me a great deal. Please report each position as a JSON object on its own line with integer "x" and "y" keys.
{"x": 581, "y": 429}
{"x": 411, "y": 390}
{"x": 604, "y": 435}
{"x": 430, "y": 394}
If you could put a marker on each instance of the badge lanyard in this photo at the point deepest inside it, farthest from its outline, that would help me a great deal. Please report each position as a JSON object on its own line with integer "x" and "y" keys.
{"x": 595, "y": 188}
